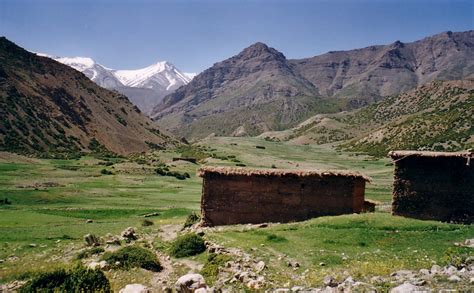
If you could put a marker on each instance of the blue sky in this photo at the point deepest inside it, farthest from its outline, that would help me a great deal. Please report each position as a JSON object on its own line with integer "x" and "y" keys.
{"x": 193, "y": 35}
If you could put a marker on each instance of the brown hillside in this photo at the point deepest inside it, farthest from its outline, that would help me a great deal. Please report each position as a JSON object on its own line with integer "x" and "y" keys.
{"x": 48, "y": 107}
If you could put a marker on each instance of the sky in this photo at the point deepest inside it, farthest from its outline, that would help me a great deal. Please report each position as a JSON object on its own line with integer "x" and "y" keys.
{"x": 194, "y": 34}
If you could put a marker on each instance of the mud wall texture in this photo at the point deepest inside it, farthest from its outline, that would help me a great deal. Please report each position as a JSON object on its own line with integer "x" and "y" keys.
{"x": 434, "y": 188}
{"x": 239, "y": 199}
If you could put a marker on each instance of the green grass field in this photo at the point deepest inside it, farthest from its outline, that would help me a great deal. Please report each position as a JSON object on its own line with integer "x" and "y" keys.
{"x": 52, "y": 199}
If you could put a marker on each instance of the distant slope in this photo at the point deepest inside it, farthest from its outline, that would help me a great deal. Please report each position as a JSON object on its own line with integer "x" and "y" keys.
{"x": 260, "y": 90}
{"x": 46, "y": 106}
{"x": 436, "y": 116}
{"x": 145, "y": 87}
{"x": 247, "y": 94}
{"x": 369, "y": 74}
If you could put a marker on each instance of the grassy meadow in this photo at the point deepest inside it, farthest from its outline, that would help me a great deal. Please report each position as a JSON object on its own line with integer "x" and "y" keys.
{"x": 51, "y": 201}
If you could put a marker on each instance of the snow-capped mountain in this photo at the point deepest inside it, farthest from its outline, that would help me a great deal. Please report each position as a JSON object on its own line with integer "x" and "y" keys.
{"x": 162, "y": 75}
{"x": 144, "y": 87}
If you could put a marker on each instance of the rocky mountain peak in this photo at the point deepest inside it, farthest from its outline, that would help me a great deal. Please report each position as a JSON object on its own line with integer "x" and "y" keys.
{"x": 261, "y": 51}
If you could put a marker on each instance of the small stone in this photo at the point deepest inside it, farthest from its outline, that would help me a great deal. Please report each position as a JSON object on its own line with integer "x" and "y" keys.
{"x": 129, "y": 234}
{"x": 32, "y": 245}
{"x": 297, "y": 289}
{"x": 91, "y": 240}
{"x": 435, "y": 269}
{"x": 260, "y": 266}
{"x": 469, "y": 243}
{"x": 471, "y": 280}
{"x": 406, "y": 288}
{"x": 454, "y": 278}
{"x": 329, "y": 281}
{"x": 424, "y": 272}
{"x": 322, "y": 264}
{"x": 135, "y": 288}
{"x": 89, "y": 221}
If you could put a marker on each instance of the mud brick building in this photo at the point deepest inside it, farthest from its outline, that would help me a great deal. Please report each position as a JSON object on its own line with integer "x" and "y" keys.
{"x": 244, "y": 195}
{"x": 434, "y": 185}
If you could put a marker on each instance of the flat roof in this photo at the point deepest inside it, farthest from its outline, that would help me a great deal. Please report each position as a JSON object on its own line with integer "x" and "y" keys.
{"x": 399, "y": 154}
{"x": 265, "y": 172}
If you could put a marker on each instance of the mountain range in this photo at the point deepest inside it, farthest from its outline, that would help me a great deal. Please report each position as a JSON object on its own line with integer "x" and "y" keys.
{"x": 436, "y": 116}
{"x": 145, "y": 87}
{"x": 260, "y": 90}
{"x": 47, "y": 107}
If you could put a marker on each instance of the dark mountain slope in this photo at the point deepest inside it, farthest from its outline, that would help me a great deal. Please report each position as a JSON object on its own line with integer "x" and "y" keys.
{"x": 46, "y": 106}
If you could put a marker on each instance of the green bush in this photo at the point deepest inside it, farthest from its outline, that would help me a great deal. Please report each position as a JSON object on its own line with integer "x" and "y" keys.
{"x": 191, "y": 220}
{"x": 106, "y": 172}
{"x": 275, "y": 238}
{"x": 146, "y": 223}
{"x": 133, "y": 257}
{"x": 187, "y": 245}
{"x": 210, "y": 270}
{"x": 78, "y": 279}
{"x": 457, "y": 256}
{"x": 89, "y": 252}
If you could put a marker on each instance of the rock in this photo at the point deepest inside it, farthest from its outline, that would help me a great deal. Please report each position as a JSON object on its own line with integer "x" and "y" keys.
{"x": 454, "y": 278}
{"x": 112, "y": 240}
{"x": 135, "y": 288}
{"x": 297, "y": 289}
{"x": 322, "y": 264}
{"x": 190, "y": 282}
{"x": 93, "y": 265}
{"x": 151, "y": 215}
{"x": 450, "y": 270}
{"x": 254, "y": 284}
{"x": 32, "y": 245}
{"x": 260, "y": 266}
{"x": 435, "y": 269}
{"x": 330, "y": 281}
{"x": 293, "y": 264}
{"x": 281, "y": 290}
{"x": 469, "y": 243}
{"x": 407, "y": 288}
{"x": 200, "y": 290}
{"x": 471, "y": 280}
{"x": 424, "y": 272}
{"x": 103, "y": 265}
{"x": 264, "y": 225}
{"x": 89, "y": 221}
{"x": 91, "y": 240}
{"x": 129, "y": 234}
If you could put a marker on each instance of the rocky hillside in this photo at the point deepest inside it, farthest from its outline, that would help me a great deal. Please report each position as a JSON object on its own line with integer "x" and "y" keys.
{"x": 435, "y": 116}
{"x": 48, "y": 107}
{"x": 369, "y": 74}
{"x": 254, "y": 91}
{"x": 260, "y": 90}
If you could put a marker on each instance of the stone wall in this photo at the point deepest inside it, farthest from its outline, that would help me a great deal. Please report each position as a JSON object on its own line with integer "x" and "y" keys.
{"x": 255, "y": 198}
{"x": 434, "y": 187}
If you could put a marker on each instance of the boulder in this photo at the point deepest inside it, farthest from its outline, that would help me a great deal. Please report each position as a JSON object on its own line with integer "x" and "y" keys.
{"x": 189, "y": 283}
{"x": 408, "y": 288}
{"x": 129, "y": 234}
{"x": 91, "y": 240}
{"x": 135, "y": 288}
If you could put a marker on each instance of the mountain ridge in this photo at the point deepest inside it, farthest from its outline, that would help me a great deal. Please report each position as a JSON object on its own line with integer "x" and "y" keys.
{"x": 337, "y": 80}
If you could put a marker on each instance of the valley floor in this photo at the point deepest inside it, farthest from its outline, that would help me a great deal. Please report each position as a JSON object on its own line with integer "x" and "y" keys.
{"x": 52, "y": 204}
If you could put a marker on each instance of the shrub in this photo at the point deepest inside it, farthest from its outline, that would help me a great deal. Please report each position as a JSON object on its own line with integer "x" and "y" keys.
{"x": 191, "y": 220}
{"x": 275, "y": 238}
{"x": 133, "y": 257}
{"x": 78, "y": 279}
{"x": 89, "y": 252}
{"x": 456, "y": 256}
{"x": 106, "y": 172}
{"x": 187, "y": 245}
{"x": 210, "y": 270}
{"x": 146, "y": 223}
